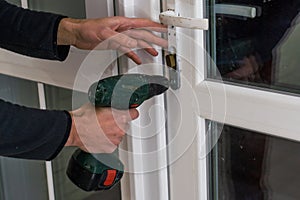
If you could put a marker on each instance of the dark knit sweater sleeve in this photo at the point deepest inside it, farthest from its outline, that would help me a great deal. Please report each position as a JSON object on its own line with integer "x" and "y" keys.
{"x": 32, "y": 133}
{"x": 30, "y": 33}
{"x": 26, "y": 132}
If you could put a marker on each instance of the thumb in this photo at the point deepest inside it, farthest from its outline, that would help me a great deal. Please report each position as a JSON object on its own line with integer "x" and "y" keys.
{"x": 134, "y": 113}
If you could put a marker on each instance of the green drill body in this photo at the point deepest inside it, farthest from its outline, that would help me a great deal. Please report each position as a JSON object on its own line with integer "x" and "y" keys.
{"x": 126, "y": 91}
{"x": 103, "y": 171}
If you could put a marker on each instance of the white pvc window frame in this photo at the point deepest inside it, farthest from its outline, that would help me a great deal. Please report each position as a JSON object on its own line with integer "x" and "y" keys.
{"x": 254, "y": 109}
{"x": 144, "y": 186}
{"x": 192, "y": 167}
{"x": 48, "y": 164}
{"x": 269, "y": 112}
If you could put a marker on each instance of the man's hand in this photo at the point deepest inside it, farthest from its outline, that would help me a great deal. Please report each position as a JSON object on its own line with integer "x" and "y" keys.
{"x": 99, "y": 130}
{"x": 119, "y": 33}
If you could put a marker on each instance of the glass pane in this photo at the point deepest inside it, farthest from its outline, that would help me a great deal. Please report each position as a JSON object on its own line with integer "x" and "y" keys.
{"x": 16, "y": 2}
{"x": 256, "y": 42}
{"x": 247, "y": 165}
{"x": 70, "y": 8}
{"x": 59, "y": 98}
{"x": 28, "y": 178}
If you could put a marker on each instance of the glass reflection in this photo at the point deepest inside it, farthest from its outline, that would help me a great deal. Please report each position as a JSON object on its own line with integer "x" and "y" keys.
{"x": 16, "y": 2}
{"x": 251, "y": 166}
{"x": 70, "y": 8}
{"x": 260, "y": 50}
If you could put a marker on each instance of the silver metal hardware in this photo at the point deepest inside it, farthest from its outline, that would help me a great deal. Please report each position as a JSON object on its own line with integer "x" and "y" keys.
{"x": 173, "y": 20}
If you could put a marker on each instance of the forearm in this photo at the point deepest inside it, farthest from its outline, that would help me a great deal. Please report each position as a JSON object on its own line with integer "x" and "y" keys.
{"x": 66, "y": 34}
{"x": 31, "y": 133}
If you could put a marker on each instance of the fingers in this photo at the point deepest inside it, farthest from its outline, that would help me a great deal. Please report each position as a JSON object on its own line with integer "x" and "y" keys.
{"x": 145, "y": 23}
{"x": 134, "y": 113}
{"x": 125, "y": 116}
{"x": 148, "y": 48}
{"x": 99, "y": 130}
{"x": 130, "y": 54}
{"x": 118, "y": 38}
{"x": 124, "y": 44}
{"x": 133, "y": 56}
{"x": 120, "y": 125}
{"x": 118, "y": 120}
{"x": 144, "y": 39}
{"x": 124, "y": 38}
{"x": 148, "y": 37}
{"x": 129, "y": 38}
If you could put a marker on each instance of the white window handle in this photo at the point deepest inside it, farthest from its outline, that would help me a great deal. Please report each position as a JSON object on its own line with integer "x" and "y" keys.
{"x": 172, "y": 19}
{"x": 238, "y": 10}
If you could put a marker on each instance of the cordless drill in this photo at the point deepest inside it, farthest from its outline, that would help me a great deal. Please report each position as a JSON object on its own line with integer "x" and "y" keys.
{"x": 92, "y": 172}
